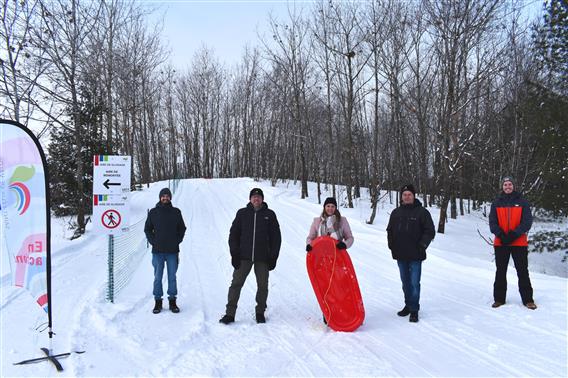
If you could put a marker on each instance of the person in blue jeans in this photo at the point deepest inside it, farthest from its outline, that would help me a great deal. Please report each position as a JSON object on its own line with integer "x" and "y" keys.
{"x": 165, "y": 230}
{"x": 410, "y": 231}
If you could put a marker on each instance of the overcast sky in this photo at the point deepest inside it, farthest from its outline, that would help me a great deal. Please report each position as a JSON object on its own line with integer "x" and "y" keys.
{"x": 225, "y": 26}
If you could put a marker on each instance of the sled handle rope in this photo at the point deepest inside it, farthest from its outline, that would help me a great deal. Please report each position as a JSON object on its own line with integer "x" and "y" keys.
{"x": 330, "y": 281}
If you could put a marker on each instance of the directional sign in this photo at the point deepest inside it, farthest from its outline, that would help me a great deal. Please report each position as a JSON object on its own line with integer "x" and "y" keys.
{"x": 111, "y": 174}
{"x": 111, "y": 190}
{"x": 111, "y": 213}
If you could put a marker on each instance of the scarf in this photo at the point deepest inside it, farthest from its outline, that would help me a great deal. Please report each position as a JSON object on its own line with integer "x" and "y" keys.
{"x": 330, "y": 227}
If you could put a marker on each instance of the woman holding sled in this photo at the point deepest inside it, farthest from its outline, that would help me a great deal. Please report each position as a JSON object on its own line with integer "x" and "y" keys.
{"x": 330, "y": 223}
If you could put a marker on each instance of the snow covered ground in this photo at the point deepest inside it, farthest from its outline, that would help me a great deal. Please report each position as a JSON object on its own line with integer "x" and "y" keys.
{"x": 459, "y": 334}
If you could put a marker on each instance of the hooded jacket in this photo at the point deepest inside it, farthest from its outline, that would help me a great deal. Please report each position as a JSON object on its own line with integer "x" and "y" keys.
{"x": 255, "y": 235}
{"x": 410, "y": 231}
{"x": 164, "y": 228}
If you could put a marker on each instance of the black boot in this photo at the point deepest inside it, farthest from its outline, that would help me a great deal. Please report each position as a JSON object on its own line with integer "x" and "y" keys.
{"x": 157, "y": 306}
{"x": 173, "y": 306}
{"x": 413, "y": 317}
{"x": 404, "y": 312}
{"x": 227, "y": 319}
{"x": 260, "y": 318}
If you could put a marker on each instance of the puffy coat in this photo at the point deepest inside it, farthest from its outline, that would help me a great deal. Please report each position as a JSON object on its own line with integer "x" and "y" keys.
{"x": 164, "y": 228}
{"x": 510, "y": 213}
{"x": 410, "y": 231}
{"x": 255, "y": 235}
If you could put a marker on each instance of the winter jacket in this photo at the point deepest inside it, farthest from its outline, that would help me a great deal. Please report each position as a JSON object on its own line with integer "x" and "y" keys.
{"x": 510, "y": 213}
{"x": 410, "y": 231}
{"x": 164, "y": 228}
{"x": 343, "y": 232}
{"x": 255, "y": 235}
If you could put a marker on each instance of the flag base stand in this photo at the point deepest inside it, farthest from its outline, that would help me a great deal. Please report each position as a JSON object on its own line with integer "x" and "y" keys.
{"x": 49, "y": 357}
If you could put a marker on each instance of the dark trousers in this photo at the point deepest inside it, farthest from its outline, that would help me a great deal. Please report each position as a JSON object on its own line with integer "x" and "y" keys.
{"x": 520, "y": 259}
{"x": 410, "y": 272}
{"x": 239, "y": 278}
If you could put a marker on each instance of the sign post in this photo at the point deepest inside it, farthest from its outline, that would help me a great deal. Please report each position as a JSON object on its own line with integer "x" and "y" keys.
{"x": 111, "y": 207}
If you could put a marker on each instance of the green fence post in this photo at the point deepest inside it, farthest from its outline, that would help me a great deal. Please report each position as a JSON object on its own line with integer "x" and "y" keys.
{"x": 110, "y": 295}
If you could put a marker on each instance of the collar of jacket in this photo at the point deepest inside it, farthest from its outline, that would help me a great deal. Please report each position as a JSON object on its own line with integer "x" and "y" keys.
{"x": 160, "y": 204}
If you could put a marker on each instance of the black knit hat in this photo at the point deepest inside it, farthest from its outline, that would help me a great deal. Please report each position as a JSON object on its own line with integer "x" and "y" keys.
{"x": 256, "y": 192}
{"x": 165, "y": 192}
{"x": 330, "y": 200}
{"x": 409, "y": 188}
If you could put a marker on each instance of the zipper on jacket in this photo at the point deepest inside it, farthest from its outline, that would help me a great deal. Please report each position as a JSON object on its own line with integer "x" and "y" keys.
{"x": 508, "y": 219}
{"x": 253, "y": 235}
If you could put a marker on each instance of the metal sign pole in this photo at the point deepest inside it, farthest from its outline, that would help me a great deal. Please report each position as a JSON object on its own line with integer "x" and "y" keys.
{"x": 110, "y": 295}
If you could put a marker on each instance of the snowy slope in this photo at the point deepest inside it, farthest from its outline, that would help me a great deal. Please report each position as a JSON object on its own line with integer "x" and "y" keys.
{"x": 459, "y": 334}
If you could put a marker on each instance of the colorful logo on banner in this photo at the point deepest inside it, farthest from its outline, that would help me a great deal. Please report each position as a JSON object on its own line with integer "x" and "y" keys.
{"x": 23, "y": 210}
{"x": 22, "y": 195}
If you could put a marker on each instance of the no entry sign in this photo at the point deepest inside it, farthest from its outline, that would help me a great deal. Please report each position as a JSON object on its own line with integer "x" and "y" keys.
{"x": 111, "y": 218}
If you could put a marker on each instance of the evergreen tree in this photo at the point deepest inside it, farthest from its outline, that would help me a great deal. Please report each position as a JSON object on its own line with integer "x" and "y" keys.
{"x": 63, "y": 165}
{"x": 551, "y": 45}
{"x": 545, "y": 113}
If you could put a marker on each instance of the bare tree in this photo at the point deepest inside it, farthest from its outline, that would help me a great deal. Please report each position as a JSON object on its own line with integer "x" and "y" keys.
{"x": 20, "y": 60}
{"x": 457, "y": 27}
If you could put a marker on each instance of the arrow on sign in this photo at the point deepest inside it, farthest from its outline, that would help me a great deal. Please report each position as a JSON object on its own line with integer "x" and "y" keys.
{"x": 107, "y": 184}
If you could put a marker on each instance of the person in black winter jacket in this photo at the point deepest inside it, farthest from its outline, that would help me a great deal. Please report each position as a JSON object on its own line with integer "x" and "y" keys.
{"x": 165, "y": 230}
{"x": 254, "y": 240}
{"x": 410, "y": 231}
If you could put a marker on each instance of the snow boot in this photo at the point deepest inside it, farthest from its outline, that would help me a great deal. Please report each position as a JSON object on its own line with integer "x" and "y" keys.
{"x": 157, "y": 306}
{"x": 404, "y": 312}
{"x": 173, "y": 306}
{"x": 530, "y": 305}
{"x": 227, "y": 319}
{"x": 260, "y": 318}
{"x": 497, "y": 304}
{"x": 413, "y": 317}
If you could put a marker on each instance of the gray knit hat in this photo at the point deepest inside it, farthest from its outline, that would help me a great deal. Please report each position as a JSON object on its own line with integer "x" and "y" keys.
{"x": 507, "y": 178}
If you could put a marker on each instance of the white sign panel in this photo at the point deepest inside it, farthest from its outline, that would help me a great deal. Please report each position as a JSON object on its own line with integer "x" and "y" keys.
{"x": 111, "y": 213}
{"x": 111, "y": 174}
{"x": 111, "y": 191}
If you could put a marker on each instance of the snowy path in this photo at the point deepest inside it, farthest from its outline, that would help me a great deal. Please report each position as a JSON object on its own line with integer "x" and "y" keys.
{"x": 459, "y": 334}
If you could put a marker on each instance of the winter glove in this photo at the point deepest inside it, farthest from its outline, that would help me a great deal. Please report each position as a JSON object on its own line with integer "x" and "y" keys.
{"x": 308, "y": 248}
{"x": 271, "y": 264}
{"x": 341, "y": 245}
{"x": 514, "y": 235}
{"x": 235, "y": 261}
{"x": 506, "y": 239}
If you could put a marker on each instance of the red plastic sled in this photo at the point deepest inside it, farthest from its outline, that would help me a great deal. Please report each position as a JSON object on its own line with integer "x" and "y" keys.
{"x": 335, "y": 285}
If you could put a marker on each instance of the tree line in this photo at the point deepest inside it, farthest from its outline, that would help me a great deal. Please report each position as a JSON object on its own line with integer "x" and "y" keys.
{"x": 450, "y": 95}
